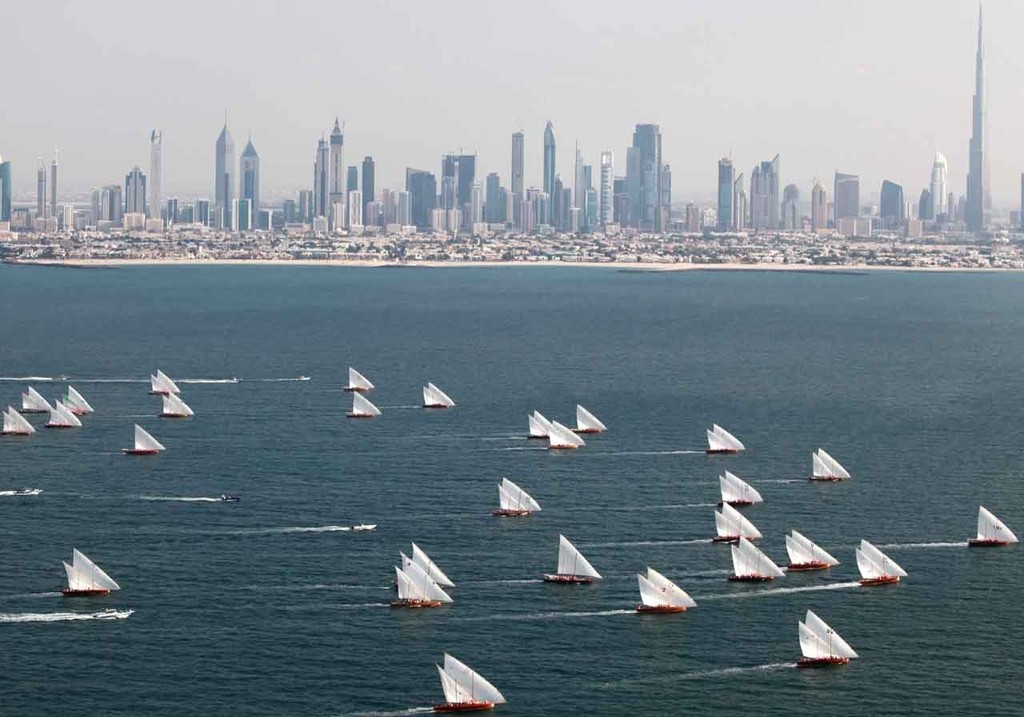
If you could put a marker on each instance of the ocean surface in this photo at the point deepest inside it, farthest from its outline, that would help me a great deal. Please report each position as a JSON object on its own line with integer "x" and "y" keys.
{"x": 273, "y": 606}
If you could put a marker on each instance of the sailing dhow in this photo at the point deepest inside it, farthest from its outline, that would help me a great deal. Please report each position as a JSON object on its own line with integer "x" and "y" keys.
{"x": 86, "y": 578}
{"x": 33, "y": 402}
{"x": 361, "y": 407}
{"x": 15, "y": 424}
{"x": 540, "y": 427}
{"x": 751, "y": 565}
{"x": 736, "y": 491}
{"x": 357, "y": 381}
{"x": 423, "y": 560}
{"x": 586, "y": 422}
{"x": 62, "y": 417}
{"x": 174, "y": 407}
{"x": 659, "y": 594}
{"x": 513, "y": 501}
{"x": 145, "y": 444}
{"x": 417, "y": 589}
{"x": 806, "y": 555}
{"x": 572, "y": 566}
{"x": 464, "y": 689}
{"x": 561, "y": 438}
{"x": 731, "y": 525}
{"x": 720, "y": 441}
{"x": 826, "y": 468}
{"x": 433, "y": 397}
{"x": 877, "y": 568}
{"x": 76, "y": 402}
{"x": 161, "y": 384}
{"x": 992, "y": 532}
{"x": 820, "y": 645}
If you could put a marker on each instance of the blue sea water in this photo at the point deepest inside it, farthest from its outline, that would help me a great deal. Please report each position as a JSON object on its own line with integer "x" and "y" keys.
{"x": 268, "y": 607}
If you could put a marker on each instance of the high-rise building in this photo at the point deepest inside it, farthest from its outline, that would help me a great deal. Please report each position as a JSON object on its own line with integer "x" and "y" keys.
{"x": 242, "y": 215}
{"x": 337, "y": 176}
{"x": 518, "y": 163}
{"x": 846, "y": 196}
{"x": 224, "y": 176}
{"x": 305, "y": 206}
{"x": 726, "y": 177}
{"x": 322, "y": 179}
{"x": 201, "y": 212}
{"x": 494, "y": 210}
{"x": 978, "y": 197}
{"x": 739, "y": 203}
{"x": 643, "y": 176}
{"x": 250, "y": 174}
{"x": 422, "y": 188}
{"x": 173, "y": 210}
{"x": 1021, "y": 195}
{"x": 352, "y": 181}
{"x": 355, "y": 210}
{"x": 819, "y": 207}
{"x": 892, "y": 206}
{"x": 790, "y": 220}
{"x": 53, "y": 186}
{"x": 579, "y": 184}
{"x": 926, "y": 206}
{"x": 369, "y": 179}
{"x": 112, "y": 209}
{"x": 549, "y": 159}
{"x": 156, "y": 174}
{"x": 607, "y": 180}
{"x": 135, "y": 192}
{"x": 940, "y": 186}
{"x": 5, "y": 190}
{"x": 620, "y": 198}
{"x": 476, "y": 205}
{"x": 41, "y": 206}
{"x": 764, "y": 195}
{"x": 466, "y": 164}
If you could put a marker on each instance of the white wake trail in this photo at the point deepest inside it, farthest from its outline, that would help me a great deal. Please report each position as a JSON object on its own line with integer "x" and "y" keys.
{"x": 66, "y": 616}
{"x": 779, "y": 591}
{"x": 899, "y": 546}
{"x": 181, "y": 499}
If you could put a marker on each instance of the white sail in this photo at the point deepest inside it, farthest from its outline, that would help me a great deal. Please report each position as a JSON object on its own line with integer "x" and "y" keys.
{"x": 825, "y": 466}
{"x": 802, "y": 550}
{"x": 512, "y": 497}
{"x": 991, "y": 528}
{"x": 587, "y": 421}
{"x": 572, "y": 562}
{"x": 76, "y": 402}
{"x": 162, "y": 383}
{"x": 656, "y": 590}
{"x": 433, "y": 396}
{"x": 15, "y": 423}
{"x": 748, "y": 560}
{"x": 357, "y": 381}
{"x": 146, "y": 442}
{"x": 812, "y": 647}
{"x": 361, "y": 406}
{"x": 873, "y": 563}
{"x": 562, "y": 437}
{"x": 835, "y": 645}
{"x": 415, "y": 584}
{"x": 729, "y": 523}
{"x": 454, "y": 693}
{"x": 62, "y": 417}
{"x": 424, "y": 561}
{"x": 174, "y": 406}
{"x": 720, "y": 439}
{"x": 84, "y": 574}
{"x": 471, "y": 681}
{"x": 736, "y": 490}
{"x": 818, "y": 467}
{"x": 32, "y": 401}
{"x": 540, "y": 427}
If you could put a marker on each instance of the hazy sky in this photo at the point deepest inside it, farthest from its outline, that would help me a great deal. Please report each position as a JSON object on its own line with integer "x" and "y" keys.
{"x": 872, "y": 87}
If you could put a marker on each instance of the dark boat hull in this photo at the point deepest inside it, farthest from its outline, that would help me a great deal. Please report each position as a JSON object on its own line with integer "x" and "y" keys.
{"x": 751, "y": 578}
{"x": 825, "y": 479}
{"x": 508, "y": 513}
{"x": 721, "y": 451}
{"x": 359, "y": 415}
{"x": 67, "y": 592}
{"x": 986, "y": 543}
{"x": 568, "y": 579}
{"x": 415, "y": 604}
{"x": 660, "y": 609}
{"x": 822, "y": 661}
{"x": 464, "y": 707}
{"x": 736, "y": 503}
{"x": 139, "y": 451}
{"x": 805, "y": 567}
{"x": 587, "y": 431}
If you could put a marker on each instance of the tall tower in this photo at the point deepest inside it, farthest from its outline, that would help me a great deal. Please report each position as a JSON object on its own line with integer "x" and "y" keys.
{"x": 369, "y": 180}
{"x": 321, "y": 177}
{"x": 337, "y": 178}
{"x": 224, "y": 176}
{"x": 549, "y": 158}
{"x": 53, "y": 185}
{"x": 978, "y": 199}
{"x": 135, "y": 191}
{"x": 607, "y": 179}
{"x": 939, "y": 185}
{"x": 726, "y": 177}
{"x": 156, "y": 174}
{"x": 643, "y": 176}
{"x": 41, "y": 205}
{"x": 518, "y": 163}
{"x": 249, "y": 170}
{"x": 5, "y": 190}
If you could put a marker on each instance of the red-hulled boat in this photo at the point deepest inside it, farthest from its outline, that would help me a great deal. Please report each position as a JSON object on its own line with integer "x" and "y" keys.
{"x": 657, "y": 609}
{"x": 806, "y": 567}
{"x": 509, "y": 512}
{"x": 413, "y": 603}
{"x": 477, "y": 706}
{"x": 568, "y": 579}
{"x": 881, "y": 580}
{"x": 822, "y": 661}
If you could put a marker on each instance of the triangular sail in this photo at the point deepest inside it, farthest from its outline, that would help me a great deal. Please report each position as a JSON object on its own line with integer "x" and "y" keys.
{"x": 539, "y": 426}
{"x": 991, "y": 528}
{"x": 361, "y": 406}
{"x": 162, "y": 383}
{"x": 720, "y": 439}
{"x": 75, "y": 401}
{"x": 470, "y": 680}
{"x": 146, "y": 442}
{"x": 454, "y": 693}
{"x": 421, "y": 586}
{"x": 433, "y": 396}
{"x": 825, "y": 466}
{"x": 657, "y": 590}
{"x": 14, "y": 422}
{"x": 423, "y": 560}
{"x": 62, "y": 417}
{"x": 748, "y": 560}
{"x": 836, "y": 645}
{"x": 562, "y": 437}
{"x": 358, "y": 381}
{"x": 572, "y": 562}
{"x": 730, "y": 523}
{"x": 174, "y": 406}
{"x": 516, "y": 497}
{"x": 33, "y": 401}
{"x": 812, "y": 647}
{"x": 736, "y": 490}
{"x": 803, "y": 550}
{"x": 84, "y": 574}
{"x": 587, "y": 421}
{"x": 877, "y": 562}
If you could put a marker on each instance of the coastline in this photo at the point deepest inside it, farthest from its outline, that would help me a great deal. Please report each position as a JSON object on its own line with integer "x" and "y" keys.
{"x": 639, "y": 267}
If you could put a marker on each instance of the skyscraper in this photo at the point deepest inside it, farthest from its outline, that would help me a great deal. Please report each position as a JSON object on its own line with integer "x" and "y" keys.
{"x": 926, "y": 206}
{"x": 224, "y": 177}
{"x": 352, "y": 181}
{"x": 369, "y": 180}
{"x": 549, "y": 159}
{"x": 41, "y": 206}
{"x": 494, "y": 210}
{"x": 764, "y": 195}
{"x": 135, "y": 192}
{"x": 579, "y": 185}
{"x": 518, "y": 163}
{"x": 422, "y": 188}
{"x": 790, "y": 219}
{"x": 337, "y": 161}
{"x": 466, "y": 170}
{"x": 739, "y": 203}
{"x": 726, "y": 177}
{"x": 892, "y": 206}
{"x": 978, "y": 201}
{"x": 5, "y": 190}
{"x": 940, "y": 186}
{"x": 846, "y": 196}
{"x": 321, "y": 179}
{"x": 53, "y": 185}
{"x": 643, "y": 175}
{"x": 156, "y": 174}
{"x": 819, "y": 207}
{"x": 607, "y": 180}
{"x": 250, "y": 173}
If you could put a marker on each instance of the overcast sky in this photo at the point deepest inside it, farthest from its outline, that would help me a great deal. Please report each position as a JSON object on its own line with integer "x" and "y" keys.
{"x": 872, "y": 87}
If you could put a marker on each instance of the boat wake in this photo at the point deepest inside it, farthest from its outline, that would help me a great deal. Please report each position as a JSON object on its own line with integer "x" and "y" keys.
{"x": 275, "y": 380}
{"x": 206, "y": 380}
{"x": 629, "y": 544}
{"x": 23, "y": 596}
{"x": 648, "y": 453}
{"x": 671, "y": 506}
{"x": 779, "y": 591}
{"x": 9, "y": 493}
{"x": 548, "y": 615}
{"x": 700, "y": 674}
{"x": 34, "y": 379}
{"x": 299, "y": 529}
{"x": 66, "y": 616}
{"x": 182, "y": 499}
{"x": 782, "y": 480}
{"x": 398, "y": 713}
{"x": 358, "y": 606}
{"x": 898, "y": 546}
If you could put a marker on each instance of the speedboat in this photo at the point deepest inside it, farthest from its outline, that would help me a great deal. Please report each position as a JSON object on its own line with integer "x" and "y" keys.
{"x": 365, "y": 527}
{"x": 28, "y": 491}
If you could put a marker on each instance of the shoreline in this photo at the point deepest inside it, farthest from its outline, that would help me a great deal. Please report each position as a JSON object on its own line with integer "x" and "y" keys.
{"x": 629, "y": 267}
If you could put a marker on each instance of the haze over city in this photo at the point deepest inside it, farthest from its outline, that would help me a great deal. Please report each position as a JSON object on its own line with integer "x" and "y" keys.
{"x": 871, "y": 88}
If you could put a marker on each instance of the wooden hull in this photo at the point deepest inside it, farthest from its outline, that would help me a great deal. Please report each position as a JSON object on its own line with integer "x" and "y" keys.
{"x": 562, "y": 448}
{"x": 660, "y": 609}
{"x": 435, "y": 405}
{"x": 721, "y": 451}
{"x": 174, "y": 415}
{"x": 537, "y": 438}
{"x": 58, "y": 425}
{"x": 568, "y": 579}
{"x": 986, "y": 543}
{"x": 79, "y": 412}
{"x": 15, "y": 433}
{"x": 587, "y": 430}
{"x": 159, "y": 393}
{"x": 805, "y": 567}
{"x": 139, "y": 451}
{"x": 359, "y": 415}
{"x": 884, "y": 580}
{"x": 509, "y": 513}
{"x": 726, "y": 539}
{"x": 354, "y": 389}
{"x": 33, "y": 410}
{"x": 751, "y": 578}
{"x": 464, "y": 707}
{"x": 822, "y": 661}
{"x": 416, "y": 603}
{"x": 736, "y": 503}
{"x": 67, "y": 592}
{"x": 825, "y": 479}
